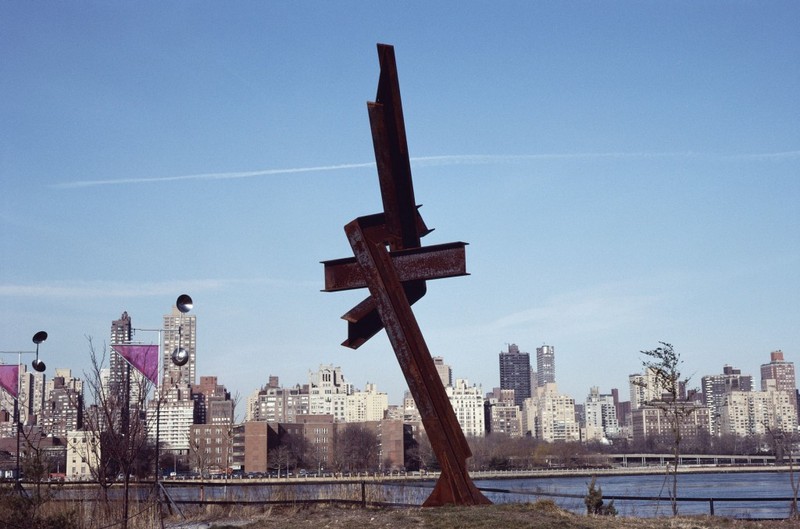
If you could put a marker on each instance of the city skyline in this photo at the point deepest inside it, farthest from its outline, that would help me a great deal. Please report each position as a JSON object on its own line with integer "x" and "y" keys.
{"x": 624, "y": 174}
{"x": 728, "y": 400}
{"x": 697, "y": 381}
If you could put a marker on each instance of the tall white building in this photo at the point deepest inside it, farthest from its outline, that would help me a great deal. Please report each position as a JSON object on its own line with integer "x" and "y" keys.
{"x": 467, "y": 402}
{"x": 367, "y": 405}
{"x": 31, "y": 395}
{"x": 176, "y": 409}
{"x": 278, "y": 404}
{"x": 546, "y": 365}
{"x": 176, "y": 419}
{"x": 550, "y": 416}
{"x": 746, "y": 413}
{"x": 644, "y": 388}
{"x": 180, "y": 331}
{"x": 601, "y": 416}
{"x": 717, "y": 387}
{"x": 328, "y": 391}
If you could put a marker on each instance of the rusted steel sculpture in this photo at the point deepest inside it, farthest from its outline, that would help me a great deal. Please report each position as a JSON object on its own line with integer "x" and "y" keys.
{"x": 390, "y": 262}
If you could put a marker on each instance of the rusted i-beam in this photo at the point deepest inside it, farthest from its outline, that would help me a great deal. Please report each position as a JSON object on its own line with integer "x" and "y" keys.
{"x": 390, "y": 262}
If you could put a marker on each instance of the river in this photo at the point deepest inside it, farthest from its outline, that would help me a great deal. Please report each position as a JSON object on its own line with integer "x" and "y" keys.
{"x": 750, "y": 486}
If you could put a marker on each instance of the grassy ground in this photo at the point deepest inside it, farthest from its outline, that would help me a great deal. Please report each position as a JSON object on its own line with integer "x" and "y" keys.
{"x": 539, "y": 515}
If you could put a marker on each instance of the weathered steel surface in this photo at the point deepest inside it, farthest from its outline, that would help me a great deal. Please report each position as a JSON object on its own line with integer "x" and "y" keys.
{"x": 441, "y": 425}
{"x": 429, "y": 262}
{"x": 390, "y": 262}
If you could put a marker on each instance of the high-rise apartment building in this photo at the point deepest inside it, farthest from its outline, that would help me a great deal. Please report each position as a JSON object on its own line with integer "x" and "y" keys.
{"x": 367, "y": 405}
{"x": 124, "y": 381}
{"x": 782, "y": 373}
{"x": 213, "y": 404}
{"x": 31, "y": 395}
{"x": 180, "y": 331}
{"x": 546, "y": 365}
{"x": 717, "y": 387}
{"x": 779, "y": 370}
{"x": 600, "y": 415}
{"x": 503, "y": 416}
{"x": 328, "y": 391}
{"x": 119, "y": 369}
{"x": 515, "y": 373}
{"x": 746, "y": 413}
{"x": 444, "y": 370}
{"x": 467, "y": 402}
{"x": 274, "y": 403}
{"x": 649, "y": 387}
{"x": 63, "y": 409}
{"x": 657, "y": 423}
{"x": 550, "y": 416}
{"x": 176, "y": 407}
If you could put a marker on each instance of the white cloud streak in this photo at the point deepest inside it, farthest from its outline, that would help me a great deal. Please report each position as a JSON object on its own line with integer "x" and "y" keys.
{"x": 428, "y": 161}
{"x": 103, "y": 289}
{"x": 211, "y": 176}
{"x": 114, "y": 289}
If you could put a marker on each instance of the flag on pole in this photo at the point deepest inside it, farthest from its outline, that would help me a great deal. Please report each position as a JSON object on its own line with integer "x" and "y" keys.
{"x": 143, "y": 357}
{"x": 9, "y": 379}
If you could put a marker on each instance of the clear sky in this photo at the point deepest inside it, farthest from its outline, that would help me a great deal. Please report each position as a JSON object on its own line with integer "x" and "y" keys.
{"x": 624, "y": 173}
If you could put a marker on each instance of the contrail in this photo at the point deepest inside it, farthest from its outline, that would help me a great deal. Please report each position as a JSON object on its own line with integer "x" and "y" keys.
{"x": 212, "y": 176}
{"x": 427, "y": 161}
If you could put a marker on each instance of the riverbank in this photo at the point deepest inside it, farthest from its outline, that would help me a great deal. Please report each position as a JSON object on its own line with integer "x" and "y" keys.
{"x": 504, "y": 474}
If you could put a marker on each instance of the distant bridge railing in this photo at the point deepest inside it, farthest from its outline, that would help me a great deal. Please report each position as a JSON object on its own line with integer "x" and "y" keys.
{"x": 644, "y": 459}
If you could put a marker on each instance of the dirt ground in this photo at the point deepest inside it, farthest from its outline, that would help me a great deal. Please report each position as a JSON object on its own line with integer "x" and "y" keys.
{"x": 539, "y": 515}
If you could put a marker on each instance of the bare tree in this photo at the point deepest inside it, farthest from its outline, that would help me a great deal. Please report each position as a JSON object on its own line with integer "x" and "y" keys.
{"x": 299, "y": 450}
{"x": 673, "y": 401}
{"x": 118, "y": 420}
{"x": 357, "y": 448}
{"x": 280, "y": 458}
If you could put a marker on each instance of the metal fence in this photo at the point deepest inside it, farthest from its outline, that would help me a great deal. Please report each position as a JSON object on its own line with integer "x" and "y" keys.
{"x": 413, "y": 493}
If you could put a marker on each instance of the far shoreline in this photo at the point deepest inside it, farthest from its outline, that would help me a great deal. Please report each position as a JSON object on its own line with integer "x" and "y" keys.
{"x": 492, "y": 474}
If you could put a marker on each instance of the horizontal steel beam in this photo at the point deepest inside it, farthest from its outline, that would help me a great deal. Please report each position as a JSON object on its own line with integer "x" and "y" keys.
{"x": 427, "y": 262}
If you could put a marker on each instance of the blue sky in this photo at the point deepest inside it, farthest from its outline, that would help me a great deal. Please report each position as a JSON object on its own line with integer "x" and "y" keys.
{"x": 624, "y": 173}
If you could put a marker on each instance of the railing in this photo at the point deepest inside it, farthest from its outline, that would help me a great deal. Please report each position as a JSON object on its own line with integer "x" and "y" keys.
{"x": 374, "y": 492}
{"x": 657, "y": 500}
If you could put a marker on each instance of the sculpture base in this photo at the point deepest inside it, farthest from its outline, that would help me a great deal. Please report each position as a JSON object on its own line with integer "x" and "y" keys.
{"x": 449, "y": 491}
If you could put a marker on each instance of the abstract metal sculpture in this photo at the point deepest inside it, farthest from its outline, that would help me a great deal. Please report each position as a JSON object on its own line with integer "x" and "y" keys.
{"x": 390, "y": 262}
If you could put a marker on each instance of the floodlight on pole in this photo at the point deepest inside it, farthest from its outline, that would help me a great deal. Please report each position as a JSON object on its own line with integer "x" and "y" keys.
{"x": 39, "y": 366}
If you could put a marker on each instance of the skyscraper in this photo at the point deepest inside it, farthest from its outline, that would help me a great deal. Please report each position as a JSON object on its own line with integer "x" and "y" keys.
{"x": 444, "y": 370}
{"x": 717, "y": 387}
{"x": 176, "y": 407}
{"x": 121, "y": 332}
{"x": 180, "y": 330}
{"x": 546, "y": 365}
{"x": 779, "y": 370}
{"x": 515, "y": 373}
{"x": 779, "y": 374}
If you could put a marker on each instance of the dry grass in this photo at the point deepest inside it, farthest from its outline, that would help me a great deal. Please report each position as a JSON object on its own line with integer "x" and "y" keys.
{"x": 540, "y": 515}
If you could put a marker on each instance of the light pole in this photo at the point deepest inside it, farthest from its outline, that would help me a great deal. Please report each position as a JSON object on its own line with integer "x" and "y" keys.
{"x": 38, "y": 365}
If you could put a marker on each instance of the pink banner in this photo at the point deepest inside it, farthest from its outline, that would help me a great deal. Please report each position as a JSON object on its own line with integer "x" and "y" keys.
{"x": 143, "y": 357}
{"x": 9, "y": 379}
